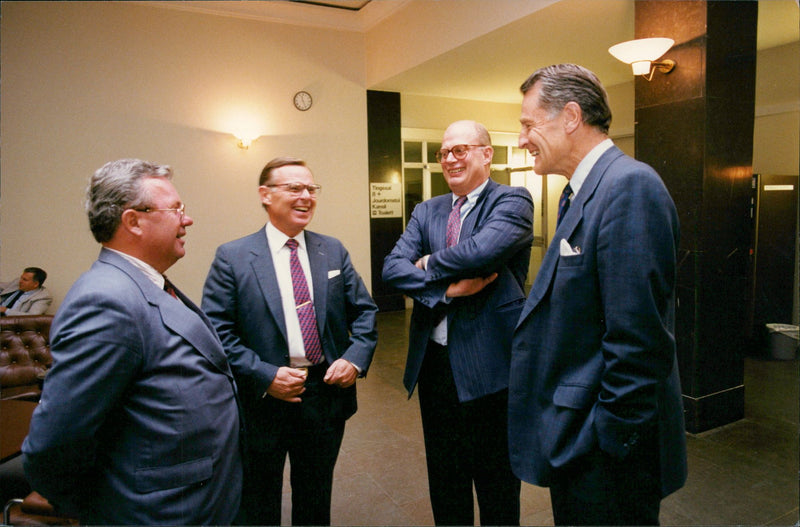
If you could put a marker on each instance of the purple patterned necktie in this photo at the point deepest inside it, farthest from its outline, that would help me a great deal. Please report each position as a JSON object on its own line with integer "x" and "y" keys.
{"x": 563, "y": 203}
{"x": 304, "y": 306}
{"x": 454, "y": 222}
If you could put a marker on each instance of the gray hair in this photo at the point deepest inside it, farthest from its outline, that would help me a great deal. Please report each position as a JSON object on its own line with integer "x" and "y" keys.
{"x": 564, "y": 83}
{"x": 117, "y": 186}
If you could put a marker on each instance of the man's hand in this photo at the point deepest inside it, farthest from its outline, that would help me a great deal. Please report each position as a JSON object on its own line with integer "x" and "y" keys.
{"x": 288, "y": 384}
{"x": 342, "y": 373}
{"x": 469, "y": 286}
{"x": 422, "y": 263}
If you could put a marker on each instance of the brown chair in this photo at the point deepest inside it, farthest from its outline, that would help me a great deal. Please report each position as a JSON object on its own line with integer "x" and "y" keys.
{"x": 24, "y": 355}
{"x": 33, "y": 510}
{"x": 24, "y": 361}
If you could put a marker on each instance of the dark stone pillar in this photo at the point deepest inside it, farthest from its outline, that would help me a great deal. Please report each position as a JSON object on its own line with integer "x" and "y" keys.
{"x": 385, "y": 160}
{"x": 695, "y": 127}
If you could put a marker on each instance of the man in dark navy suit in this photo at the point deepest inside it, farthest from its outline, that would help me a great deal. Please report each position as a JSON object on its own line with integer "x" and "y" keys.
{"x": 595, "y": 409}
{"x": 298, "y": 325}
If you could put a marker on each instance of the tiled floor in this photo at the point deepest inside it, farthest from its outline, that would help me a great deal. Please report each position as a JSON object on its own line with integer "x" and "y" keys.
{"x": 745, "y": 473}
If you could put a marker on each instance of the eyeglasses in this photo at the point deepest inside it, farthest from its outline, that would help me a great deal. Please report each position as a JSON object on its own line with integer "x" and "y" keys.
{"x": 458, "y": 151}
{"x": 298, "y": 188}
{"x": 181, "y": 210}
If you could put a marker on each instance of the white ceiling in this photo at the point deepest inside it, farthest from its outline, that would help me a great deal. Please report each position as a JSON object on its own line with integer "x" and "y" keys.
{"x": 491, "y": 66}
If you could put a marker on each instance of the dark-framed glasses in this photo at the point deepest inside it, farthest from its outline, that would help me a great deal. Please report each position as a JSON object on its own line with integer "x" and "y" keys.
{"x": 458, "y": 151}
{"x": 181, "y": 210}
{"x": 298, "y": 188}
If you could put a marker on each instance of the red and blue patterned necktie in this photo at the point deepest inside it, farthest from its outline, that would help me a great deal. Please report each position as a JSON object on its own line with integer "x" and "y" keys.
{"x": 304, "y": 306}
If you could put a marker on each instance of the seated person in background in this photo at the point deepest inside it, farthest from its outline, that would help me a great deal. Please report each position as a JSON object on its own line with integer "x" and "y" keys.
{"x": 28, "y": 296}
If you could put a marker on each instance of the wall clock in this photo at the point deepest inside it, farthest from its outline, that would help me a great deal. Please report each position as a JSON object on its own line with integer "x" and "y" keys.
{"x": 302, "y": 100}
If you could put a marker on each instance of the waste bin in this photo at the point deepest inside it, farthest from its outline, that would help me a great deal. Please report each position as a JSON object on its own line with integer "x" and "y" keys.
{"x": 782, "y": 341}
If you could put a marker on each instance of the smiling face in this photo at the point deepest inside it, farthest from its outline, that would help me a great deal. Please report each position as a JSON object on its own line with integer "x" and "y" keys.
{"x": 543, "y": 136}
{"x": 289, "y": 212}
{"x": 465, "y": 175}
{"x": 162, "y": 231}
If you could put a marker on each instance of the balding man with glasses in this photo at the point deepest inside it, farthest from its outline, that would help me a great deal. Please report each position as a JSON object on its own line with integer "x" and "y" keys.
{"x": 298, "y": 325}
{"x": 463, "y": 259}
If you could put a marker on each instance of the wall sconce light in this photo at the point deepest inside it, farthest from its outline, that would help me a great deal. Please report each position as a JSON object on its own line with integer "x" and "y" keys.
{"x": 244, "y": 142}
{"x": 641, "y": 54}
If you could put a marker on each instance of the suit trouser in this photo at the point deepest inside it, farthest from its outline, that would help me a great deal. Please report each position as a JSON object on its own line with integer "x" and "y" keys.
{"x": 597, "y": 489}
{"x": 311, "y": 436}
{"x": 465, "y": 443}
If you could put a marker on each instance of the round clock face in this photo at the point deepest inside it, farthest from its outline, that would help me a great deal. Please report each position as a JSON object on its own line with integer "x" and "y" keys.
{"x": 302, "y": 100}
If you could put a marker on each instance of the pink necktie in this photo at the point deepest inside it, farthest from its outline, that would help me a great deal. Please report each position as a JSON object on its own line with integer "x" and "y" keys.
{"x": 454, "y": 222}
{"x": 304, "y": 306}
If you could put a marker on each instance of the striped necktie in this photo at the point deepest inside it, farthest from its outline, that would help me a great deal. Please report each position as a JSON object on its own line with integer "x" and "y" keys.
{"x": 304, "y": 306}
{"x": 563, "y": 204}
{"x": 454, "y": 222}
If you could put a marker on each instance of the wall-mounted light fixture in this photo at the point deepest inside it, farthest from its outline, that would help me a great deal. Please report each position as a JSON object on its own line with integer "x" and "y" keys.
{"x": 244, "y": 142}
{"x": 641, "y": 54}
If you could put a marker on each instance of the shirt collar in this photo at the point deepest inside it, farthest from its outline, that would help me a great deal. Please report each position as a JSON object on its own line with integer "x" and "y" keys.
{"x": 586, "y": 165}
{"x": 277, "y": 240}
{"x": 472, "y": 197}
{"x": 148, "y": 270}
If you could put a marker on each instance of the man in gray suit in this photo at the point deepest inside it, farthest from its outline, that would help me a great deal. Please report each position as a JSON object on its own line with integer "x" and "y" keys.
{"x": 298, "y": 325}
{"x": 138, "y": 422}
{"x": 26, "y": 296}
{"x": 468, "y": 293}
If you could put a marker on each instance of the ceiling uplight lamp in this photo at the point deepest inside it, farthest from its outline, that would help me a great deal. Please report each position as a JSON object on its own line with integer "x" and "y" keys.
{"x": 641, "y": 54}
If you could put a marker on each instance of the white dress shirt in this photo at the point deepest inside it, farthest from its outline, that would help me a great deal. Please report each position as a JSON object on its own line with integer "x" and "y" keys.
{"x": 280, "y": 259}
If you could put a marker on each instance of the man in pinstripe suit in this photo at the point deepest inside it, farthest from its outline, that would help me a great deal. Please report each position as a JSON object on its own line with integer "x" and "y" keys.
{"x": 464, "y": 263}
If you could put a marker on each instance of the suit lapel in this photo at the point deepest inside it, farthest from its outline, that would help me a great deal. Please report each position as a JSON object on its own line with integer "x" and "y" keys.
{"x": 318, "y": 261}
{"x": 174, "y": 314}
{"x": 206, "y": 342}
{"x": 476, "y": 214}
{"x": 572, "y": 219}
{"x": 440, "y": 212}
{"x": 264, "y": 270}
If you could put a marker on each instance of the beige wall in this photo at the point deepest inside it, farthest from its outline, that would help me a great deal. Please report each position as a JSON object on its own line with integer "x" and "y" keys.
{"x": 88, "y": 82}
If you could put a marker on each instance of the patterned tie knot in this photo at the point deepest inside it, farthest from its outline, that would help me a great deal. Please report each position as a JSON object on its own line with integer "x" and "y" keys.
{"x": 454, "y": 222}
{"x": 292, "y": 244}
{"x": 563, "y": 203}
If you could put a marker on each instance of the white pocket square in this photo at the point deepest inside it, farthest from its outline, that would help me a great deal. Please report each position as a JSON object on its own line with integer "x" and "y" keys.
{"x": 565, "y": 249}
{"x": 334, "y": 273}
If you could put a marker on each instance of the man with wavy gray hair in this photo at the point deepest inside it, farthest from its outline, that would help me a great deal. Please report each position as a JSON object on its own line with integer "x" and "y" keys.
{"x": 138, "y": 422}
{"x": 595, "y": 408}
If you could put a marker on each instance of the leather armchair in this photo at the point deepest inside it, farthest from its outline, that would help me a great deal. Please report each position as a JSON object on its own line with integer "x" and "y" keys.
{"x": 24, "y": 355}
{"x": 24, "y": 360}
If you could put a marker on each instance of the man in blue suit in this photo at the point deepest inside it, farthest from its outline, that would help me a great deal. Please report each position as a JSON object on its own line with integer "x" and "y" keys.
{"x": 298, "y": 325}
{"x": 595, "y": 409}
{"x": 468, "y": 290}
{"x": 138, "y": 422}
